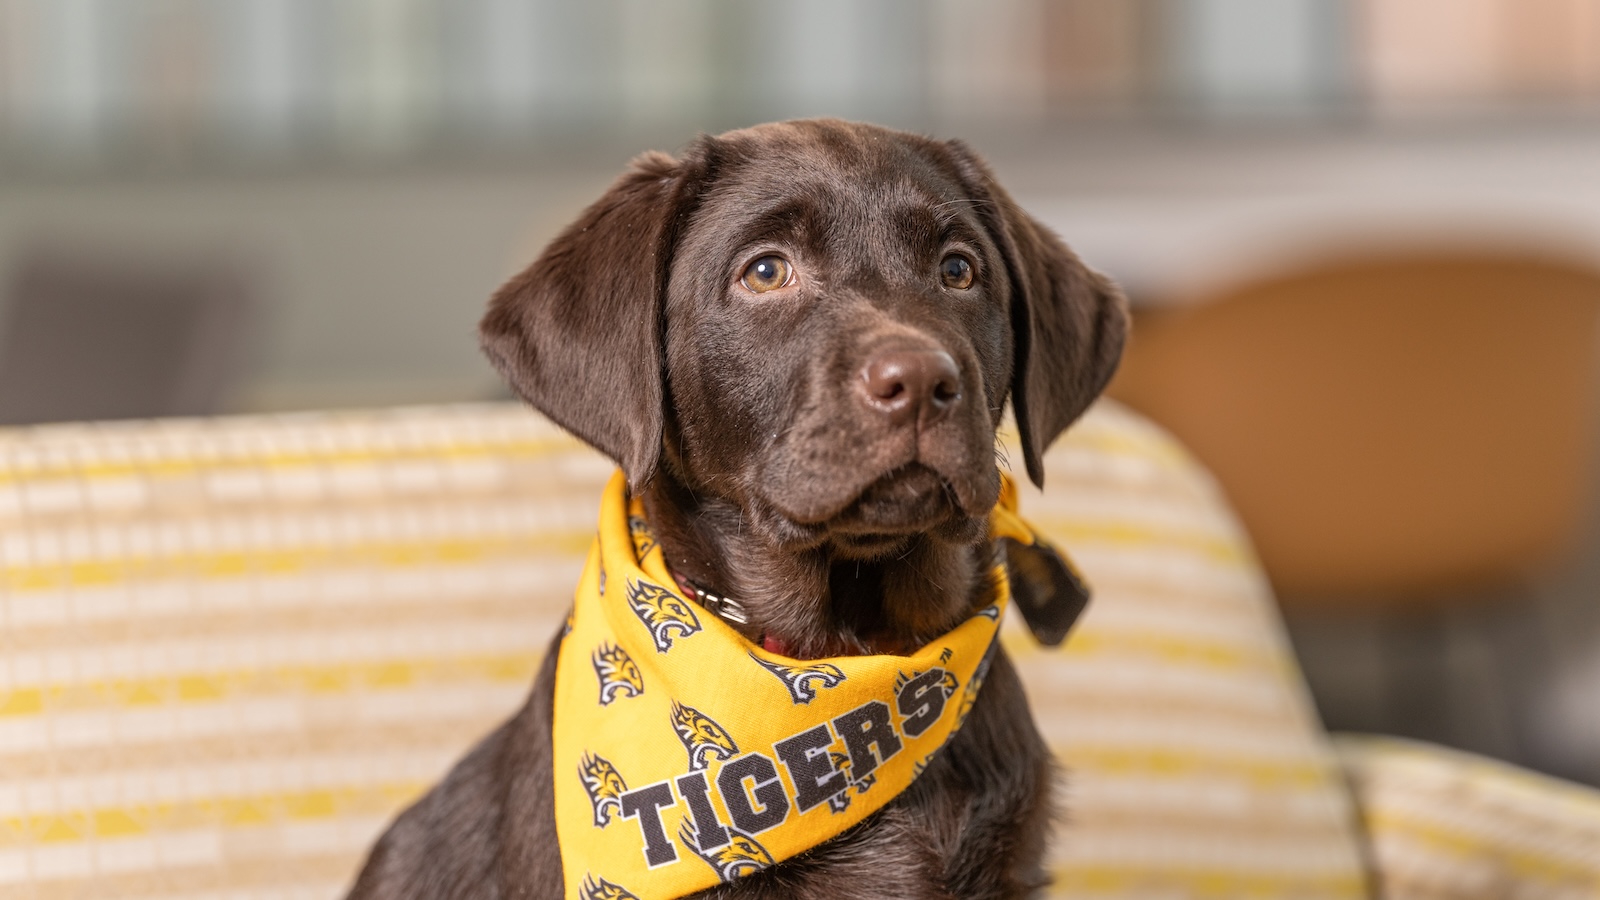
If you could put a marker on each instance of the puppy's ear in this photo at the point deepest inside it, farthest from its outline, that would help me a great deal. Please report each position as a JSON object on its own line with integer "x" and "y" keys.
{"x": 1068, "y": 322}
{"x": 578, "y": 334}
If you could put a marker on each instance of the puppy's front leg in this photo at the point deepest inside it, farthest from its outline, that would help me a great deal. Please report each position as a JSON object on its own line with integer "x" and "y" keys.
{"x": 1002, "y": 760}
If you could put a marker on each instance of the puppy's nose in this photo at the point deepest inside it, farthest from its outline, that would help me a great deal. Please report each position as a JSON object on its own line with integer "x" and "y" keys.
{"x": 911, "y": 385}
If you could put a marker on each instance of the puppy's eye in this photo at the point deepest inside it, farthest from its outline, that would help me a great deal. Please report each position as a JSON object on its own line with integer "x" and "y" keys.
{"x": 956, "y": 272}
{"x": 766, "y": 274}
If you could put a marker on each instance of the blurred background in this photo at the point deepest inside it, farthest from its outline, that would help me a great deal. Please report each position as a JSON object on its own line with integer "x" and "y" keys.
{"x": 1361, "y": 237}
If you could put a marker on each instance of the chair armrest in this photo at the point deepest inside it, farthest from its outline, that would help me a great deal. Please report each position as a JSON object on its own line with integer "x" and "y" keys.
{"x": 1447, "y": 825}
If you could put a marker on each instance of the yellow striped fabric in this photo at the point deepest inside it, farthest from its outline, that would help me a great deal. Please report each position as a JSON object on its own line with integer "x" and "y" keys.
{"x": 1446, "y": 825}
{"x": 1195, "y": 766}
{"x": 230, "y": 649}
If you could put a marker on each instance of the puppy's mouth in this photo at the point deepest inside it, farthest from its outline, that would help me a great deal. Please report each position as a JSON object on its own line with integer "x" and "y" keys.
{"x": 886, "y": 516}
{"x": 878, "y": 518}
{"x": 909, "y": 500}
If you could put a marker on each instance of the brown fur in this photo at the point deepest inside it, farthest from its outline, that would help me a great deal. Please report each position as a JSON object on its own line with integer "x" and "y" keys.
{"x": 772, "y": 478}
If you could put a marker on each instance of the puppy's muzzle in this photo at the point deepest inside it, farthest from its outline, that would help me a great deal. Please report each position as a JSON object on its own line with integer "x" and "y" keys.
{"x": 910, "y": 386}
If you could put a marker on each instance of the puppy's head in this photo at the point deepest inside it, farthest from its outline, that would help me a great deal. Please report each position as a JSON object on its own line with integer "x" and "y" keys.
{"x": 818, "y": 321}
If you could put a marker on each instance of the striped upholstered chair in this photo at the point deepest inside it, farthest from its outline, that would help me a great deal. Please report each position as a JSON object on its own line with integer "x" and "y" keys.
{"x": 231, "y": 649}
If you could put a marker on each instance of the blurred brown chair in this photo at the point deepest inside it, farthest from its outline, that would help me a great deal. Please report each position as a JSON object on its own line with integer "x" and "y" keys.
{"x": 1399, "y": 434}
{"x": 1391, "y": 430}
{"x": 87, "y": 333}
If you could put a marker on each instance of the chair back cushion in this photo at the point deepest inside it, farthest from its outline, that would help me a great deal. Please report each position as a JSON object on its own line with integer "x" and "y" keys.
{"x": 231, "y": 649}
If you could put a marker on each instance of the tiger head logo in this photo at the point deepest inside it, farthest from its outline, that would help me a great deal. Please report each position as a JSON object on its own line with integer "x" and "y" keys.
{"x": 840, "y": 802}
{"x": 604, "y": 890}
{"x": 967, "y": 700}
{"x": 741, "y": 855}
{"x": 702, "y": 737}
{"x": 802, "y": 680}
{"x": 661, "y": 611}
{"x": 643, "y": 539}
{"x": 618, "y": 673}
{"x": 974, "y": 684}
{"x": 605, "y": 787}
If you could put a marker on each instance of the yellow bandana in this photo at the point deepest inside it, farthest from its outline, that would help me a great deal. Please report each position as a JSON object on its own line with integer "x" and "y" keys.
{"x": 685, "y": 755}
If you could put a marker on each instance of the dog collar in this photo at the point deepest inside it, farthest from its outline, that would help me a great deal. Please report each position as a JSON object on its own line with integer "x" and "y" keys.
{"x": 685, "y": 755}
{"x": 725, "y": 608}
{"x": 728, "y": 610}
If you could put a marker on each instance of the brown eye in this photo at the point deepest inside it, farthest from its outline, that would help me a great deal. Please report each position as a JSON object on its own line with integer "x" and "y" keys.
{"x": 766, "y": 274}
{"x": 956, "y": 272}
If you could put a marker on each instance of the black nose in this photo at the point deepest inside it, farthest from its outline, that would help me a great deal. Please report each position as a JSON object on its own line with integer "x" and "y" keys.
{"x": 908, "y": 386}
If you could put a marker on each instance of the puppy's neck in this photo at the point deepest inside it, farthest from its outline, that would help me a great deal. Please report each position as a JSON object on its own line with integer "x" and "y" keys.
{"x": 815, "y": 602}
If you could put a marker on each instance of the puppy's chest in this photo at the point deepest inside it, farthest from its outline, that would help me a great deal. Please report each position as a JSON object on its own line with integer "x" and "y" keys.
{"x": 899, "y": 852}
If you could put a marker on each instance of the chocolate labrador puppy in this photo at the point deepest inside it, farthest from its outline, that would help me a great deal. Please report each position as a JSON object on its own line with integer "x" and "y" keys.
{"x": 797, "y": 341}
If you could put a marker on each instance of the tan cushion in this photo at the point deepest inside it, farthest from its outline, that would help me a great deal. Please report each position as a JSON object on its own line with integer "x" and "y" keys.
{"x": 1195, "y": 764}
{"x": 1446, "y": 825}
{"x": 230, "y": 649}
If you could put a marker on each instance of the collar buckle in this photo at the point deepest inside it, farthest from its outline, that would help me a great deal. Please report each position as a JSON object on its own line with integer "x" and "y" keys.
{"x": 723, "y": 607}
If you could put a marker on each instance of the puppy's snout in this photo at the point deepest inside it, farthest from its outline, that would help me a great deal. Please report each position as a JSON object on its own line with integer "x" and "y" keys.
{"x": 911, "y": 385}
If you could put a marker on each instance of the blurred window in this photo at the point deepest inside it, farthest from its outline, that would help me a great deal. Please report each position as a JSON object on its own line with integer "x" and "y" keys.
{"x": 90, "y": 83}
